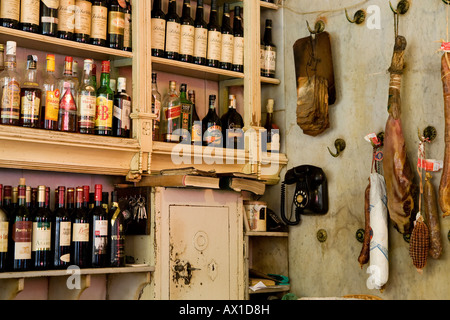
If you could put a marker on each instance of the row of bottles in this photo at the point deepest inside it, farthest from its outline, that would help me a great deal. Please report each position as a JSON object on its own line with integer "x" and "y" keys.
{"x": 195, "y": 41}
{"x": 64, "y": 104}
{"x": 98, "y": 22}
{"x": 77, "y": 232}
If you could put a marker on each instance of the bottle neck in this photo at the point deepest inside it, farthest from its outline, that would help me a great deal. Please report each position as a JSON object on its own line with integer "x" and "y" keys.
{"x": 105, "y": 79}
{"x": 10, "y": 62}
{"x": 68, "y": 69}
{"x": 172, "y": 7}
{"x": 199, "y": 13}
{"x": 268, "y": 35}
{"x": 213, "y": 16}
{"x": 157, "y": 5}
{"x": 21, "y": 196}
{"x": 186, "y": 10}
{"x": 31, "y": 77}
{"x": 269, "y": 119}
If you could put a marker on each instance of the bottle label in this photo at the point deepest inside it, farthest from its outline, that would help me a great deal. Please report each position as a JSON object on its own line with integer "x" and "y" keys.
{"x": 158, "y": 33}
{"x": 51, "y": 4}
{"x": 238, "y": 51}
{"x": 270, "y": 58}
{"x": 196, "y": 134}
{"x": 101, "y": 236}
{"x": 11, "y": 101}
{"x": 187, "y": 34}
{"x": 201, "y": 42}
{"x": 214, "y": 45}
{"x": 4, "y": 236}
{"x": 226, "y": 55}
{"x": 41, "y": 236}
{"x": 172, "y": 37}
{"x": 116, "y": 22}
{"x": 104, "y": 112}
{"x": 213, "y": 136}
{"x": 64, "y": 233}
{"x": 157, "y": 109}
{"x": 273, "y": 142}
{"x": 66, "y": 15}
{"x": 80, "y": 232}
{"x": 86, "y": 111}
{"x": 22, "y": 237}
{"x": 127, "y": 31}
{"x": 126, "y": 111}
{"x": 30, "y": 106}
{"x": 29, "y": 11}
{"x": 10, "y": 10}
{"x": 99, "y": 22}
{"x": 52, "y": 105}
{"x": 186, "y": 120}
{"x": 83, "y": 14}
{"x": 67, "y": 101}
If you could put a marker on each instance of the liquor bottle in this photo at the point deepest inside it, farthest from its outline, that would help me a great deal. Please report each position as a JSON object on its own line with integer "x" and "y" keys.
{"x": 7, "y": 199}
{"x": 99, "y": 23}
{"x": 170, "y": 124}
{"x": 2, "y": 57}
{"x": 117, "y": 232}
{"x": 67, "y": 115}
{"x": 232, "y": 126}
{"x": 30, "y": 96}
{"x": 50, "y": 97}
{"x": 226, "y": 55}
{"x": 200, "y": 35}
{"x": 87, "y": 99}
{"x": 270, "y": 52}
{"x": 122, "y": 110}
{"x": 238, "y": 50}
{"x": 127, "y": 31}
{"x": 94, "y": 76}
{"x": 10, "y": 88}
{"x": 186, "y": 115}
{"x": 116, "y": 23}
{"x": 4, "y": 231}
{"x": 272, "y": 133}
{"x": 104, "y": 103}
{"x": 49, "y": 17}
{"x": 42, "y": 232}
{"x": 10, "y": 13}
{"x": 99, "y": 231}
{"x": 156, "y": 108}
{"x": 21, "y": 230}
{"x": 83, "y": 15}
{"x": 61, "y": 232}
{"x": 80, "y": 253}
{"x": 187, "y": 31}
{"x": 214, "y": 38}
{"x": 158, "y": 29}
{"x": 29, "y": 15}
{"x": 172, "y": 32}
{"x": 212, "y": 126}
{"x": 66, "y": 19}
{"x": 196, "y": 130}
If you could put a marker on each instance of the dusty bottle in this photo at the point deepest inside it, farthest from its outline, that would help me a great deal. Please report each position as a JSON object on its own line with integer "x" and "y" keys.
{"x": 30, "y": 96}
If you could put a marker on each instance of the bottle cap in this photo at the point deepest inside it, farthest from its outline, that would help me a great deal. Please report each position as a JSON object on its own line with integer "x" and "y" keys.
{"x": 88, "y": 65}
{"x": 21, "y": 181}
{"x": 172, "y": 85}
{"x": 268, "y": 23}
{"x": 232, "y": 99}
{"x": 270, "y": 105}
{"x": 106, "y": 66}
{"x": 32, "y": 62}
{"x": 121, "y": 84}
{"x": 11, "y": 47}
{"x": 68, "y": 59}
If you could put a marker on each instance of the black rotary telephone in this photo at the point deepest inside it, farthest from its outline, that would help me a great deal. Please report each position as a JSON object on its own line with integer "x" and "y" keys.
{"x": 311, "y": 192}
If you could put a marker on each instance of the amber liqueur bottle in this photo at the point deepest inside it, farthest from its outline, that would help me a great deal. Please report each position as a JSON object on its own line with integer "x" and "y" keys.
{"x": 117, "y": 233}
{"x": 42, "y": 229}
{"x": 105, "y": 103}
{"x": 4, "y": 231}
{"x": 99, "y": 230}
{"x": 87, "y": 96}
{"x": 61, "y": 232}
{"x": 99, "y": 23}
{"x": 10, "y": 88}
{"x": 122, "y": 110}
{"x": 29, "y": 16}
{"x": 80, "y": 254}
{"x": 116, "y": 23}
{"x": 67, "y": 117}
{"x": 30, "y": 96}
{"x": 50, "y": 97}
{"x": 49, "y": 17}
{"x": 10, "y": 13}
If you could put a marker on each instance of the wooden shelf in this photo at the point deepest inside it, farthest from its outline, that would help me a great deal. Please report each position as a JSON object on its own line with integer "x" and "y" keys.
{"x": 266, "y": 234}
{"x": 60, "y": 46}
{"x": 268, "y": 80}
{"x": 268, "y": 5}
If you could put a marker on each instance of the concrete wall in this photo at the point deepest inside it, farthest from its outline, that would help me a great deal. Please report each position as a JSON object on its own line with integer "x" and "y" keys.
{"x": 361, "y": 59}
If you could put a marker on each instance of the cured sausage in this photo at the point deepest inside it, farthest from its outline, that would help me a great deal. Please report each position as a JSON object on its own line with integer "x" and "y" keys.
{"x": 444, "y": 187}
{"x": 432, "y": 217}
{"x": 419, "y": 244}
{"x": 365, "y": 251}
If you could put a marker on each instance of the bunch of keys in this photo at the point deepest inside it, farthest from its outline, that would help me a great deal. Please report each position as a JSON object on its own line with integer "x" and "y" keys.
{"x": 137, "y": 205}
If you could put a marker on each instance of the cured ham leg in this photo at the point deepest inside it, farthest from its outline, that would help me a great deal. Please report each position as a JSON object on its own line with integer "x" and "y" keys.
{"x": 397, "y": 170}
{"x": 444, "y": 187}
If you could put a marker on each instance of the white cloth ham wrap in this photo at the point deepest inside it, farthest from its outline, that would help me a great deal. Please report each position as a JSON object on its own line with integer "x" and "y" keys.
{"x": 379, "y": 252}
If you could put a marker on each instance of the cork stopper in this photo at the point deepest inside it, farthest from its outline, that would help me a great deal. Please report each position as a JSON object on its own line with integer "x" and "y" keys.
{"x": 269, "y": 106}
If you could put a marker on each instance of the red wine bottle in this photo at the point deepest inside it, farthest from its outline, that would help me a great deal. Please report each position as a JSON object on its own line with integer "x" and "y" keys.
{"x": 99, "y": 231}
{"x": 41, "y": 244}
{"x": 61, "y": 228}
{"x": 117, "y": 232}
{"x": 4, "y": 230}
{"x": 80, "y": 231}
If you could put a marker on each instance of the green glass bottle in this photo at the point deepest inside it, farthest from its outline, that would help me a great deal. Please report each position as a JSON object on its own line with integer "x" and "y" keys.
{"x": 186, "y": 115}
{"x": 105, "y": 103}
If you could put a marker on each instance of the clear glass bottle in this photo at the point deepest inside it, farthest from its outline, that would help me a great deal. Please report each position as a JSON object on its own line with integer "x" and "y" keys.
{"x": 67, "y": 118}
{"x": 156, "y": 108}
{"x": 232, "y": 126}
{"x": 10, "y": 81}
{"x": 87, "y": 98}
{"x": 170, "y": 124}
{"x": 212, "y": 126}
{"x": 50, "y": 97}
{"x": 30, "y": 96}
{"x": 226, "y": 55}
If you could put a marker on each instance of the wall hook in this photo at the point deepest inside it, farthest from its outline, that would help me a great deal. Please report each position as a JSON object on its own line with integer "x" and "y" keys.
{"x": 358, "y": 18}
{"x": 318, "y": 27}
{"x": 429, "y": 134}
{"x": 402, "y": 7}
{"x": 340, "y": 145}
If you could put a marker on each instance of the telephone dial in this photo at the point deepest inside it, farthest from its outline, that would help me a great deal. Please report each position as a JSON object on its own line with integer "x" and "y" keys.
{"x": 311, "y": 192}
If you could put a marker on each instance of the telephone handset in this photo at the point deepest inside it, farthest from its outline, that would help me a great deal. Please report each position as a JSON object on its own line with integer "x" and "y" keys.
{"x": 311, "y": 192}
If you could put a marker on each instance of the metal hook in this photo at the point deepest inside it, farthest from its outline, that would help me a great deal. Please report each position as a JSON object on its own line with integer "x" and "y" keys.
{"x": 429, "y": 134}
{"x": 318, "y": 27}
{"x": 402, "y": 7}
{"x": 340, "y": 145}
{"x": 358, "y": 18}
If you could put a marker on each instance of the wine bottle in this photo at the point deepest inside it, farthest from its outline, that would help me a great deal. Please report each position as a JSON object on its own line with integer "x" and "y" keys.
{"x": 61, "y": 232}
{"x": 67, "y": 115}
{"x": 158, "y": 29}
{"x": 238, "y": 50}
{"x": 104, "y": 103}
{"x": 21, "y": 232}
{"x": 127, "y": 31}
{"x": 196, "y": 130}
{"x": 29, "y": 15}
{"x": 83, "y": 16}
{"x": 226, "y": 55}
{"x": 10, "y": 88}
{"x": 116, "y": 23}
{"x": 212, "y": 126}
{"x": 272, "y": 133}
{"x": 232, "y": 126}
{"x": 30, "y": 96}
{"x": 10, "y": 13}
{"x": 156, "y": 108}
{"x": 42, "y": 232}
{"x": 117, "y": 232}
{"x": 2, "y": 57}
{"x": 122, "y": 110}
{"x": 4, "y": 232}
{"x": 170, "y": 124}
{"x": 87, "y": 99}
{"x": 50, "y": 97}
{"x": 214, "y": 38}
{"x": 66, "y": 19}
{"x": 99, "y": 23}
{"x": 14, "y": 198}
{"x": 187, "y": 31}
{"x": 99, "y": 231}
{"x": 80, "y": 253}
{"x": 186, "y": 115}
{"x": 172, "y": 32}
{"x": 270, "y": 52}
{"x": 49, "y": 17}
{"x": 200, "y": 35}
